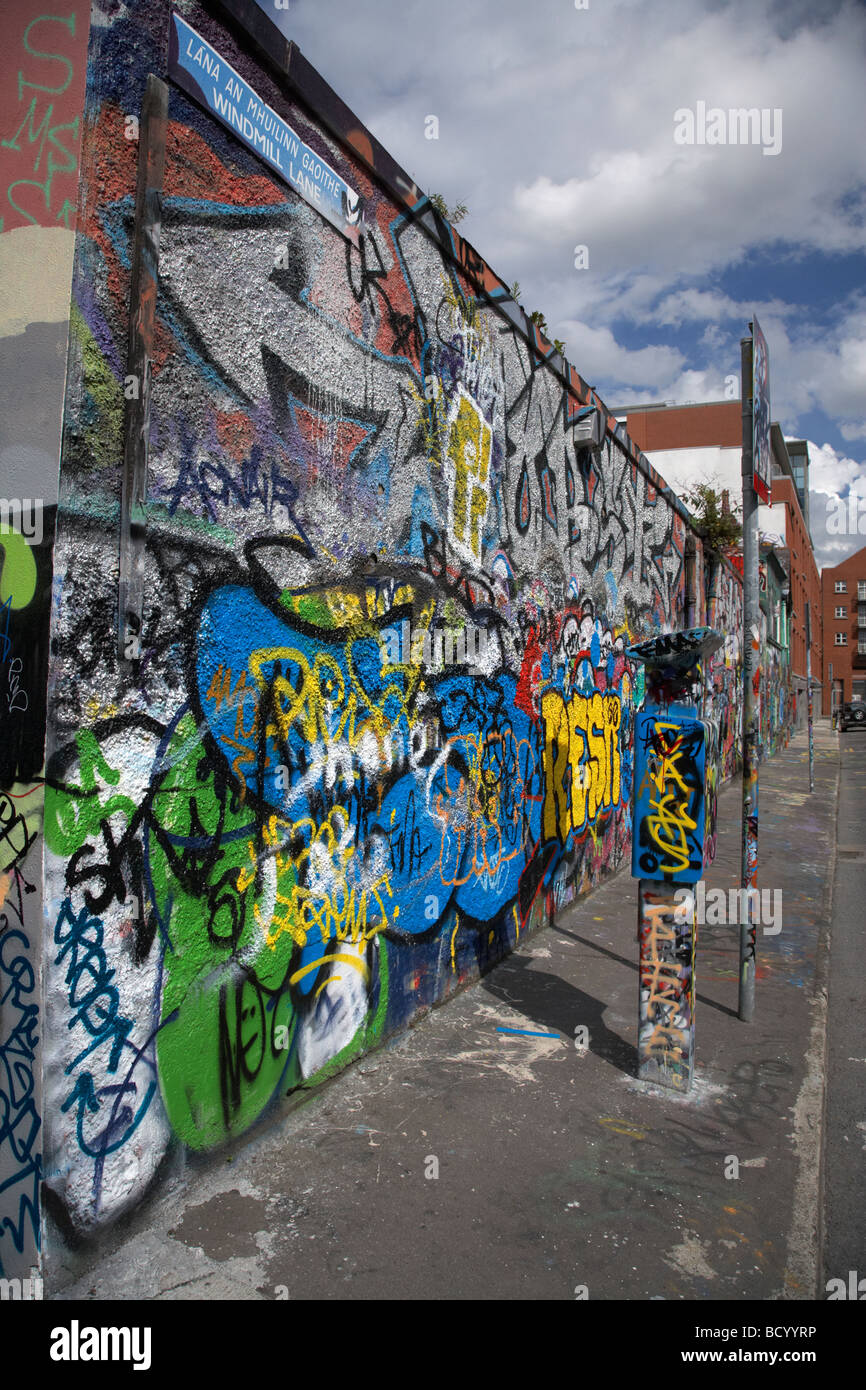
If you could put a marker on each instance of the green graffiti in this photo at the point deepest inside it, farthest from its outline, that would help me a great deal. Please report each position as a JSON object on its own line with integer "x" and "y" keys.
{"x": 17, "y": 568}
{"x": 53, "y": 166}
{"x": 313, "y": 608}
{"x": 38, "y": 135}
{"x": 453, "y": 615}
{"x": 639, "y": 685}
{"x": 231, "y": 913}
{"x": 69, "y": 22}
{"x": 227, "y": 1032}
{"x": 74, "y": 814}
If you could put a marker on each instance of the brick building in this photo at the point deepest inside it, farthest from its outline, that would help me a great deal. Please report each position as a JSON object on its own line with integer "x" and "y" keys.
{"x": 844, "y": 607}
{"x": 715, "y": 424}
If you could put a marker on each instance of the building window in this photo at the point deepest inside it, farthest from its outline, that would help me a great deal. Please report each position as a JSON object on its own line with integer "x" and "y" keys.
{"x": 841, "y": 612}
{"x": 841, "y": 639}
{"x": 861, "y": 590}
{"x": 861, "y": 646}
{"x": 841, "y": 586}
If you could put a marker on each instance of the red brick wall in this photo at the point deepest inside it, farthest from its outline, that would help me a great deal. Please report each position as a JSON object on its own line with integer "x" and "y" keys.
{"x": 805, "y": 583}
{"x": 844, "y": 660}
{"x": 689, "y": 427}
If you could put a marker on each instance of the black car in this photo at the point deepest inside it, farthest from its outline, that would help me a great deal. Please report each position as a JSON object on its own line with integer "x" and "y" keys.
{"x": 853, "y": 715}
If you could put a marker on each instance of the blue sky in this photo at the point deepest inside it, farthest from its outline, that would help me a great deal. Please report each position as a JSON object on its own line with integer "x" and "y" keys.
{"x": 557, "y": 126}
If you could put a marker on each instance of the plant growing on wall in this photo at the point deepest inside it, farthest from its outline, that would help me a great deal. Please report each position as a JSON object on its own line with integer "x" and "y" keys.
{"x": 452, "y": 215}
{"x": 717, "y": 521}
{"x": 541, "y": 323}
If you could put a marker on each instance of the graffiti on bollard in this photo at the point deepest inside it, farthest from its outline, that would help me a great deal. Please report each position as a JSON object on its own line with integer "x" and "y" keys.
{"x": 674, "y": 795}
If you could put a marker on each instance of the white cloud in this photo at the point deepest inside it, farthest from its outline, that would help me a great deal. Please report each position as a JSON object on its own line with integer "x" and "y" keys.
{"x": 698, "y": 208}
{"x": 650, "y": 365}
{"x": 700, "y": 306}
{"x": 834, "y": 476}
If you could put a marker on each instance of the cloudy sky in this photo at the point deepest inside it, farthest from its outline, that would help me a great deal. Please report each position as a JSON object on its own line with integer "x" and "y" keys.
{"x": 557, "y": 129}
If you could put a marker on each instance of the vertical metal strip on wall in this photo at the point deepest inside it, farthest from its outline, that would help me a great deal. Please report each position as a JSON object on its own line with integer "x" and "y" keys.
{"x": 142, "y": 315}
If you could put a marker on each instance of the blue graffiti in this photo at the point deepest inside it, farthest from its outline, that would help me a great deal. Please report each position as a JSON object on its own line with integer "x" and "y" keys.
{"x": 95, "y": 1002}
{"x": 19, "y": 1117}
{"x": 445, "y": 797}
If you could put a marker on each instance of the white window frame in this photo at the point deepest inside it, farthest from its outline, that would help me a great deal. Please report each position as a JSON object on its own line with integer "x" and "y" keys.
{"x": 841, "y": 587}
{"x": 841, "y": 612}
{"x": 841, "y": 639}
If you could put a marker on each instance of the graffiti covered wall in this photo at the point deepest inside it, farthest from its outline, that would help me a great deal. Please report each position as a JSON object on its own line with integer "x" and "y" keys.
{"x": 775, "y": 709}
{"x": 379, "y": 721}
{"x": 775, "y": 712}
{"x": 724, "y": 686}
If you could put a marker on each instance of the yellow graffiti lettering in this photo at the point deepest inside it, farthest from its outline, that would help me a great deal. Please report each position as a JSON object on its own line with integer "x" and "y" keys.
{"x": 469, "y": 447}
{"x": 582, "y": 760}
{"x": 668, "y": 827}
{"x": 316, "y": 891}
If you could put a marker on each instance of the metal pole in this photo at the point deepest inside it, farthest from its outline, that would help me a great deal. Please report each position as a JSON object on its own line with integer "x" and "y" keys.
{"x": 751, "y": 685}
{"x": 142, "y": 323}
{"x": 832, "y": 698}
{"x": 809, "y": 696}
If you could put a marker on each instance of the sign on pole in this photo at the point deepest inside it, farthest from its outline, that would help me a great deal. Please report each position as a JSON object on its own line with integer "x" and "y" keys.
{"x": 761, "y": 469}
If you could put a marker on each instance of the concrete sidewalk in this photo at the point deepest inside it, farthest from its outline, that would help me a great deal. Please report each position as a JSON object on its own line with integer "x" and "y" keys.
{"x": 556, "y": 1170}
